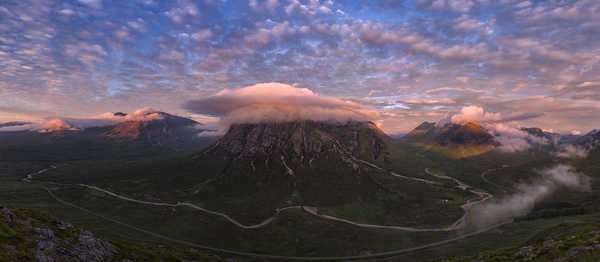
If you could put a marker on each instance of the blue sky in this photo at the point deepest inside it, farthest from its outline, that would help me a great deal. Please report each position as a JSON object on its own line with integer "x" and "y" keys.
{"x": 411, "y": 60}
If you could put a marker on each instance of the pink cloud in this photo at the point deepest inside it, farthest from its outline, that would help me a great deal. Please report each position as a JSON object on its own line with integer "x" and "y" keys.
{"x": 277, "y": 102}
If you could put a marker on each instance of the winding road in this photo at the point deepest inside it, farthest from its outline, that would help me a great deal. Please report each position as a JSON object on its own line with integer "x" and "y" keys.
{"x": 459, "y": 224}
{"x": 311, "y": 210}
{"x": 484, "y": 178}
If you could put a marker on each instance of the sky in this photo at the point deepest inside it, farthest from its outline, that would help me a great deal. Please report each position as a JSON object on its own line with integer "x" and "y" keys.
{"x": 408, "y": 60}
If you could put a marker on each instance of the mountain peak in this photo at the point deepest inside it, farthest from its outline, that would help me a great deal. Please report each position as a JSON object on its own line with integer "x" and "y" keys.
{"x": 466, "y": 139}
{"x": 155, "y": 127}
{"x": 302, "y": 141}
{"x": 421, "y": 130}
{"x": 534, "y": 131}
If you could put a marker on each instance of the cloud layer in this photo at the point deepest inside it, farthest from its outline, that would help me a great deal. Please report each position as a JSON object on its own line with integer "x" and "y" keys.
{"x": 527, "y": 195}
{"x": 276, "y": 102}
{"x": 413, "y": 61}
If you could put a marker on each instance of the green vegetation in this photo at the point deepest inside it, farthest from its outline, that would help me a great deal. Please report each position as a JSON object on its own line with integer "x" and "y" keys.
{"x": 564, "y": 242}
{"x": 251, "y": 189}
{"x": 22, "y": 232}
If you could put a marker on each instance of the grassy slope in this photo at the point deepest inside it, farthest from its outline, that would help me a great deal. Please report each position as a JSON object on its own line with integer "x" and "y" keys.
{"x": 18, "y": 240}
{"x": 569, "y": 241}
{"x": 251, "y": 197}
{"x": 323, "y": 237}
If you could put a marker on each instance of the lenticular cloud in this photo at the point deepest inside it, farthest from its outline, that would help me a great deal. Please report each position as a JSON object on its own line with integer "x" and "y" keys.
{"x": 276, "y": 102}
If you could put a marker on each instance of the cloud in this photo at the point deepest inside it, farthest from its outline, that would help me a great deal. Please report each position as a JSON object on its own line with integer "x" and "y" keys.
{"x": 144, "y": 114}
{"x": 277, "y": 102}
{"x": 69, "y": 57}
{"x": 441, "y": 101}
{"x": 16, "y": 126}
{"x": 572, "y": 151}
{"x": 202, "y": 35}
{"x": 512, "y": 138}
{"x": 503, "y": 128}
{"x": 527, "y": 195}
{"x": 93, "y": 3}
{"x": 474, "y": 114}
{"x": 454, "y": 89}
{"x": 56, "y": 124}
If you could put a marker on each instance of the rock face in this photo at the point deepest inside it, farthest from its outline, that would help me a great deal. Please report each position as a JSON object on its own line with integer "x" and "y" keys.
{"x": 49, "y": 240}
{"x": 301, "y": 142}
{"x": 162, "y": 129}
{"x": 256, "y": 168}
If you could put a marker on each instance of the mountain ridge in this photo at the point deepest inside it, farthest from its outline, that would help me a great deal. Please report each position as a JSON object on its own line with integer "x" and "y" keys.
{"x": 455, "y": 140}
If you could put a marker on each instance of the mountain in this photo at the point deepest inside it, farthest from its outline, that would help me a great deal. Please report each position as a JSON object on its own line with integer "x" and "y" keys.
{"x": 590, "y": 140}
{"x": 268, "y": 165}
{"x": 539, "y": 133}
{"x": 302, "y": 142}
{"x": 13, "y": 123}
{"x": 119, "y": 136}
{"x": 256, "y": 169}
{"x": 421, "y": 131}
{"x": 157, "y": 128}
{"x": 457, "y": 140}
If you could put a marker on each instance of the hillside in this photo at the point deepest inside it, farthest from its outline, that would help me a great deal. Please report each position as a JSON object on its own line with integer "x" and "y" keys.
{"x": 455, "y": 140}
{"x": 27, "y": 235}
{"x": 256, "y": 169}
{"x": 565, "y": 242}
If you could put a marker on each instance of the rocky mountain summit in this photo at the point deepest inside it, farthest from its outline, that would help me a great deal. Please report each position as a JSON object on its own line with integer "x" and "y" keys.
{"x": 301, "y": 142}
{"x": 157, "y": 128}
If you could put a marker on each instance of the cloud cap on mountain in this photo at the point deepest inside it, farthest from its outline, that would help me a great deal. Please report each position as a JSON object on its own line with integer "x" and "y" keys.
{"x": 277, "y": 102}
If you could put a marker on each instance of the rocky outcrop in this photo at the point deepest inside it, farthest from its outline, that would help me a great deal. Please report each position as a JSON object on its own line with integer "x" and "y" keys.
{"x": 27, "y": 235}
{"x": 49, "y": 240}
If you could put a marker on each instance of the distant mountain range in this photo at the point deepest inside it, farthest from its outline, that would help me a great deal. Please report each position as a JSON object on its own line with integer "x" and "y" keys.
{"x": 148, "y": 133}
{"x": 298, "y": 141}
{"x": 13, "y": 123}
{"x": 464, "y": 140}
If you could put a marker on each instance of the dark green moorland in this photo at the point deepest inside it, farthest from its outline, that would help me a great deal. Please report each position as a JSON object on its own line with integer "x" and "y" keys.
{"x": 294, "y": 232}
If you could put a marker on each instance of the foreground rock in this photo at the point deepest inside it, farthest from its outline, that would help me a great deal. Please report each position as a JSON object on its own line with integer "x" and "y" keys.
{"x": 31, "y": 236}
